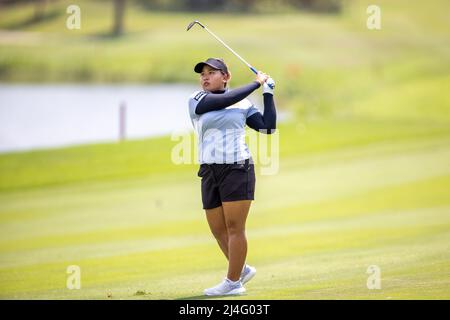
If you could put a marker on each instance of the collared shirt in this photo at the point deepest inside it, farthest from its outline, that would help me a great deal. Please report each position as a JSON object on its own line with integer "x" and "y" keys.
{"x": 221, "y": 133}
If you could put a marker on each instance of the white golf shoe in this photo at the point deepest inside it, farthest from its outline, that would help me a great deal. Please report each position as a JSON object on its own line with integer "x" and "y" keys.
{"x": 247, "y": 274}
{"x": 226, "y": 288}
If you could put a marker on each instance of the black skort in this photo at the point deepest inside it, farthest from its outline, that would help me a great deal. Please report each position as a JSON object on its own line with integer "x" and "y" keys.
{"x": 227, "y": 182}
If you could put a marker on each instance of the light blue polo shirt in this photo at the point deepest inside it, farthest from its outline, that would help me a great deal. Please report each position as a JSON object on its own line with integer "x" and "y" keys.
{"x": 221, "y": 133}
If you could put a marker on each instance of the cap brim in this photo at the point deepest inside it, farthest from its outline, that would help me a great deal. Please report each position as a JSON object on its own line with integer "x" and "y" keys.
{"x": 199, "y": 67}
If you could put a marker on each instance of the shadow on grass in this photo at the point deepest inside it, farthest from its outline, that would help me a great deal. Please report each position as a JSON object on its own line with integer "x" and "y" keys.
{"x": 109, "y": 35}
{"x": 34, "y": 20}
{"x": 105, "y": 36}
{"x": 203, "y": 297}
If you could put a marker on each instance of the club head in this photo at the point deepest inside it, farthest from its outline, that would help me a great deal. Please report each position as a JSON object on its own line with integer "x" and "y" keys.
{"x": 193, "y": 23}
{"x": 190, "y": 25}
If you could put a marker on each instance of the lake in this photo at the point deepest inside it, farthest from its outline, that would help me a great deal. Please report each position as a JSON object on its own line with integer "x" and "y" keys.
{"x": 44, "y": 116}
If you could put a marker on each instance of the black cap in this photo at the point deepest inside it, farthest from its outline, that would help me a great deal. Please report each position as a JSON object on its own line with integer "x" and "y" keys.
{"x": 215, "y": 63}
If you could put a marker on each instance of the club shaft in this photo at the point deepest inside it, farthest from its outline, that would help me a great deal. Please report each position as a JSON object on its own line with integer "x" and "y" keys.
{"x": 226, "y": 46}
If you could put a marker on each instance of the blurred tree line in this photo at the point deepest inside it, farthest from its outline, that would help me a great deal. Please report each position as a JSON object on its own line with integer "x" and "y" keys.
{"x": 326, "y": 6}
{"x": 42, "y": 8}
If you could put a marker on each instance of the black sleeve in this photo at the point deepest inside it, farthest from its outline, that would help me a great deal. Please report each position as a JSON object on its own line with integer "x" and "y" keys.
{"x": 268, "y": 121}
{"x": 213, "y": 101}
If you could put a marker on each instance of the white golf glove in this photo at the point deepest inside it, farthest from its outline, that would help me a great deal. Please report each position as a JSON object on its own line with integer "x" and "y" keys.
{"x": 269, "y": 86}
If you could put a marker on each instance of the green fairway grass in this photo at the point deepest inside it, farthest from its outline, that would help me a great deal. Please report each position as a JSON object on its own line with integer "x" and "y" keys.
{"x": 364, "y": 159}
{"x": 313, "y": 230}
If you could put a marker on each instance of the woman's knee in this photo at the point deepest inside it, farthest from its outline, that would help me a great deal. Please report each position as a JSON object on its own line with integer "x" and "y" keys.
{"x": 235, "y": 228}
{"x": 221, "y": 237}
{"x": 220, "y": 234}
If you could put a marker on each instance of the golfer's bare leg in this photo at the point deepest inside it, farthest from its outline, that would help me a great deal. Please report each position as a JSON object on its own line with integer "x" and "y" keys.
{"x": 235, "y": 213}
{"x": 216, "y": 221}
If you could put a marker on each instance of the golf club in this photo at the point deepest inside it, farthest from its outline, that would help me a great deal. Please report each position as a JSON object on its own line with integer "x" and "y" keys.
{"x": 269, "y": 81}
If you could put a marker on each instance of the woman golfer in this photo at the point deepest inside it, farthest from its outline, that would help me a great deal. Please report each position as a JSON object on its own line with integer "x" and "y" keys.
{"x": 219, "y": 116}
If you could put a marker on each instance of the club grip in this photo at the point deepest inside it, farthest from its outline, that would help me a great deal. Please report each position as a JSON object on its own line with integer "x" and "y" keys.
{"x": 254, "y": 70}
{"x": 271, "y": 85}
